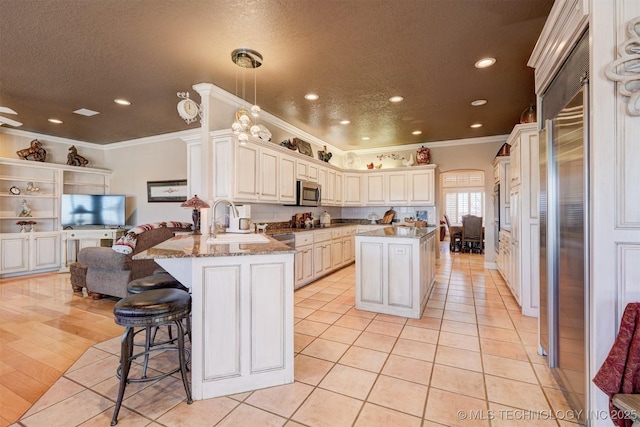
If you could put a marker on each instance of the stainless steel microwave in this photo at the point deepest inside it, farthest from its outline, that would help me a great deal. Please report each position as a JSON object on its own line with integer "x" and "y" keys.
{"x": 308, "y": 193}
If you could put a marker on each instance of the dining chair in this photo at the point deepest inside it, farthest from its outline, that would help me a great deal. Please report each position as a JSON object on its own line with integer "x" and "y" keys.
{"x": 472, "y": 233}
{"x": 455, "y": 237}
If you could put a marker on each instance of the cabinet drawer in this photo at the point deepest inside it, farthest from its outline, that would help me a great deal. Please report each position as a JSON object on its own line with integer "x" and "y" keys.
{"x": 303, "y": 239}
{"x": 321, "y": 236}
{"x": 336, "y": 234}
{"x": 90, "y": 235}
{"x": 349, "y": 231}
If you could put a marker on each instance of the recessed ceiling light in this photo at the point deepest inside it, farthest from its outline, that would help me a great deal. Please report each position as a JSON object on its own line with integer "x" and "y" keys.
{"x": 86, "y": 112}
{"x": 485, "y": 62}
{"x": 56, "y": 121}
{"x": 365, "y": 138}
{"x": 478, "y": 102}
{"x": 122, "y": 101}
{"x": 345, "y": 122}
{"x": 476, "y": 125}
{"x": 396, "y": 98}
{"x": 311, "y": 96}
{"x": 416, "y": 132}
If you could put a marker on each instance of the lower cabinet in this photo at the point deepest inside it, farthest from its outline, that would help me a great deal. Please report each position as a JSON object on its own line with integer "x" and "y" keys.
{"x": 303, "y": 266}
{"x": 394, "y": 275}
{"x": 504, "y": 260}
{"x": 322, "y": 251}
{"x": 29, "y": 252}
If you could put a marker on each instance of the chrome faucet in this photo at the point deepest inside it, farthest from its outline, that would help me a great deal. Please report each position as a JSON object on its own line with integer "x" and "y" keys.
{"x": 212, "y": 228}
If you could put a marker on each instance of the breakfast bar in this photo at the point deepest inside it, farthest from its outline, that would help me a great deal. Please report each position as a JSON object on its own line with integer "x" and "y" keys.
{"x": 395, "y": 270}
{"x": 242, "y": 308}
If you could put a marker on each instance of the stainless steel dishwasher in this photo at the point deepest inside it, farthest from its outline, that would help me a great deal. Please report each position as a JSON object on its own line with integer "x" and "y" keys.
{"x": 286, "y": 238}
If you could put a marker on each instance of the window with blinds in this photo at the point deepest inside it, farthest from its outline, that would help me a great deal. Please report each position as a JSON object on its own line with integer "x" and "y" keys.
{"x": 463, "y": 194}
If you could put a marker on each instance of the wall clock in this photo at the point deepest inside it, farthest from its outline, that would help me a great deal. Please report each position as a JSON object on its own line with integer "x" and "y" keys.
{"x": 14, "y": 190}
{"x": 188, "y": 109}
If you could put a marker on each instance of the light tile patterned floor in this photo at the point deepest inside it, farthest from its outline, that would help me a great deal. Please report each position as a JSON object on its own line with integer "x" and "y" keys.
{"x": 471, "y": 360}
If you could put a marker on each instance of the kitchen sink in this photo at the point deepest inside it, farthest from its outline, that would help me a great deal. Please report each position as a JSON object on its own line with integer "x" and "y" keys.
{"x": 238, "y": 238}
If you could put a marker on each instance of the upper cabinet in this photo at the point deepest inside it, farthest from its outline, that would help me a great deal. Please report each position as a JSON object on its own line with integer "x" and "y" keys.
{"x": 397, "y": 184}
{"x": 306, "y": 171}
{"x": 400, "y": 187}
{"x": 260, "y": 172}
{"x": 422, "y": 186}
{"x": 353, "y": 189}
{"x": 252, "y": 173}
{"x": 287, "y": 179}
{"x": 375, "y": 189}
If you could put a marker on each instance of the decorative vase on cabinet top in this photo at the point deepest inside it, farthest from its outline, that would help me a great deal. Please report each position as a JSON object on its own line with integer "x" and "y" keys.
{"x": 423, "y": 156}
{"x": 528, "y": 115}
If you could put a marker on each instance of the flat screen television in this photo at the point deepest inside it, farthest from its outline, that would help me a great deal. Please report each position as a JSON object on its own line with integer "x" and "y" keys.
{"x": 92, "y": 209}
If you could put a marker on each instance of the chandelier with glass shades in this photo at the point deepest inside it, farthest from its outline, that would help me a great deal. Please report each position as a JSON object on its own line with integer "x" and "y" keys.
{"x": 243, "y": 124}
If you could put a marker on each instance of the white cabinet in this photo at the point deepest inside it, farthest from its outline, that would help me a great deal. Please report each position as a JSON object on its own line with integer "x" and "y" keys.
{"x": 303, "y": 260}
{"x": 306, "y": 171}
{"x": 242, "y": 325}
{"x": 29, "y": 252}
{"x": 321, "y": 253}
{"x": 415, "y": 186}
{"x": 348, "y": 245}
{"x": 397, "y": 186}
{"x": 247, "y": 158}
{"x": 422, "y": 187}
{"x": 327, "y": 194}
{"x": 353, "y": 189}
{"x": 40, "y": 185}
{"x": 503, "y": 260}
{"x": 514, "y": 244}
{"x": 524, "y": 219}
{"x": 268, "y": 176}
{"x": 260, "y": 174}
{"x": 375, "y": 189}
{"x": 394, "y": 275}
{"x": 15, "y": 253}
{"x": 339, "y": 190}
{"x": 336, "y": 248}
{"x": 287, "y": 193}
{"x": 303, "y": 266}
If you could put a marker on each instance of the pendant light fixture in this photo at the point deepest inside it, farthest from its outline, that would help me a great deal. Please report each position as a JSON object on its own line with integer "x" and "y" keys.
{"x": 243, "y": 125}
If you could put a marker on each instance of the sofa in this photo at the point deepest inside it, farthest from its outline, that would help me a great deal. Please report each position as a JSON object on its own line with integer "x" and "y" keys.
{"x": 108, "y": 271}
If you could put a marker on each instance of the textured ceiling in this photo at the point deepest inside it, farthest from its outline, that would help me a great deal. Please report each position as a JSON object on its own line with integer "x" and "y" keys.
{"x": 59, "y": 56}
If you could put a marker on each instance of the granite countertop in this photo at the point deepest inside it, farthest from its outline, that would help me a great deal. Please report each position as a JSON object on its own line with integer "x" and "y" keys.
{"x": 402, "y": 232}
{"x": 190, "y": 246}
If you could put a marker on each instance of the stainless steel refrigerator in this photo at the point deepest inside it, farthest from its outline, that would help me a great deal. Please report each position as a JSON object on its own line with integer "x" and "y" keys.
{"x": 564, "y": 243}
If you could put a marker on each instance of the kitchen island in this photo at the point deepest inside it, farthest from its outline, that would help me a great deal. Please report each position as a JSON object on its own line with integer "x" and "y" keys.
{"x": 395, "y": 270}
{"x": 242, "y": 309}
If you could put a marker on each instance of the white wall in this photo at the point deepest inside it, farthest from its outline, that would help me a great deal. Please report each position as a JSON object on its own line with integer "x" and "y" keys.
{"x": 133, "y": 164}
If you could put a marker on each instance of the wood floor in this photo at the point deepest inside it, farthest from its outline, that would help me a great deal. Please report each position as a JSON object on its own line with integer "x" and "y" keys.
{"x": 44, "y": 328}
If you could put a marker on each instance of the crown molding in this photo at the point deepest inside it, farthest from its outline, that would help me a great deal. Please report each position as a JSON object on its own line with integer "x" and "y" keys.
{"x": 56, "y": 139}
{"x": 438, "y": 144}
{"x": 181, "y": 135}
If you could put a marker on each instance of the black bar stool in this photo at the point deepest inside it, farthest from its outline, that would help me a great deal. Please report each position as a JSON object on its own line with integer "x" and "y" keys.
{"x": 155, "y": 307}
{"x": 160, "y": 279}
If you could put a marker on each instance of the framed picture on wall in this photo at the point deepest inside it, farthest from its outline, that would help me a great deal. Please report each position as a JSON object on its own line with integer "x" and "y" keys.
{"x": 167, "y": 191}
